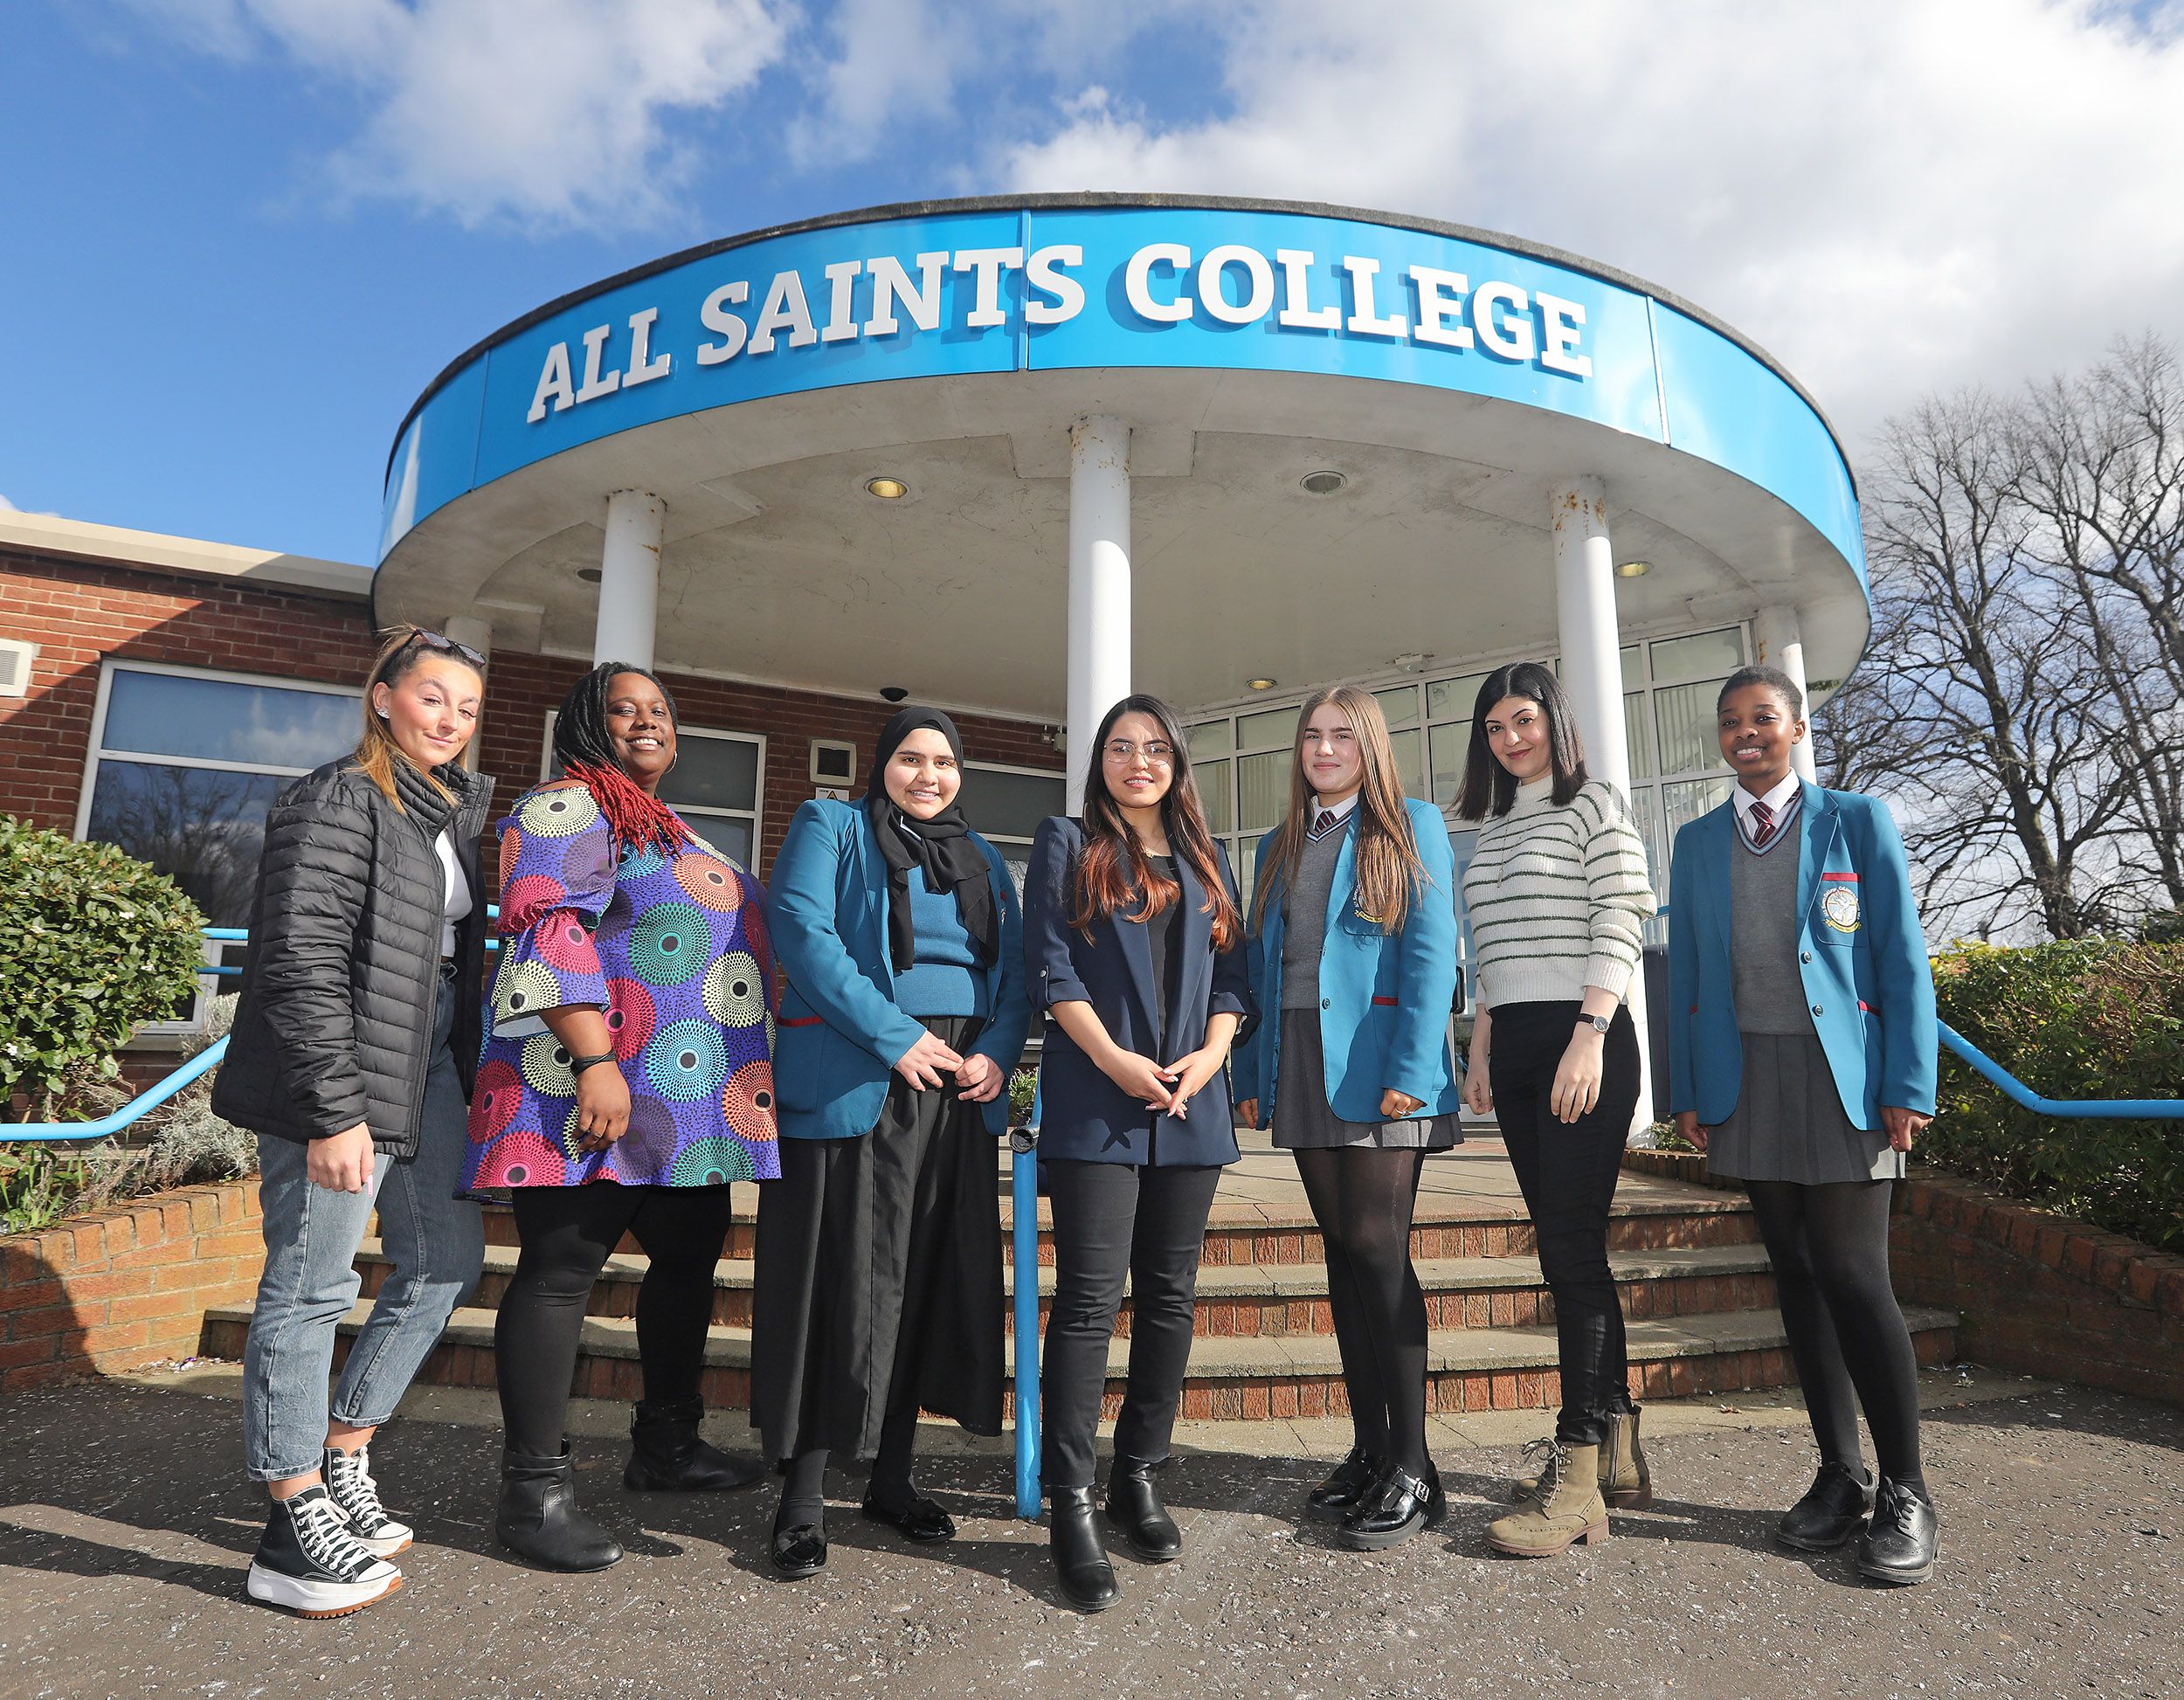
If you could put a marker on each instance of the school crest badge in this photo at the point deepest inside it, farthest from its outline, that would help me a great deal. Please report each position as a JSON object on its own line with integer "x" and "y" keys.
{"x": 1840, "y": 907}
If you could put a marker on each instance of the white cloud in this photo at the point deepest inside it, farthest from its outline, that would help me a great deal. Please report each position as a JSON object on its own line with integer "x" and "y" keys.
{"x": 551, "y": 113}
{"x": 1890, "y": 194}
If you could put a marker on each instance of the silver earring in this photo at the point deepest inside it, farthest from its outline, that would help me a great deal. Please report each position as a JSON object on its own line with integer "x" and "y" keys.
{"x": 383, "y": 714}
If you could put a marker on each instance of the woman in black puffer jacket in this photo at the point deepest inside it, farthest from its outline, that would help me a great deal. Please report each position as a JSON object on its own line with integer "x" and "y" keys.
{"x": 354, "y": 1044}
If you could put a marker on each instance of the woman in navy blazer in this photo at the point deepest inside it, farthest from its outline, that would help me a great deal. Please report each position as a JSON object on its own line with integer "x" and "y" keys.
{"x": 1802, "y": 1047}
{"x": 878, "y": 1276}
{"x": 1134, "y": 945}
{"x": 1353, "y": 963}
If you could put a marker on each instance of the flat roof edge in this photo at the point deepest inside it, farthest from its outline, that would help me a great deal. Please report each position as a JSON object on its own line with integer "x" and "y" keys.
{"x": 48, "y": 534}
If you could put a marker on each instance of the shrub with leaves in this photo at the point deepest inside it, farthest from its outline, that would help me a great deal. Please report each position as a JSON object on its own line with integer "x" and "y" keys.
{"x": 92, "y": 942}
{"x": 2077, "y": 1018}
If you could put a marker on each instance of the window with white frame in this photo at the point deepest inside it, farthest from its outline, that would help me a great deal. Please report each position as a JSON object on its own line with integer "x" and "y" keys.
{"x": 1243, "y": 757}
{"x": 1004, "y": 806}
{"x": 718, "y": 783}
{"x": 184, "y": 761}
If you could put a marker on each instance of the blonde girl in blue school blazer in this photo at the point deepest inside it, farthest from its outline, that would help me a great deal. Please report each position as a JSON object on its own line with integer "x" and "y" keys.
{"x": 1350, "y": 1064}
{"x": 1802, "y": 1050}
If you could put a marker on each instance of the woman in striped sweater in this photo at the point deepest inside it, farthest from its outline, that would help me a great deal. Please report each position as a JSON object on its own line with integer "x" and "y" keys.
{"x": 1558, "y": 896}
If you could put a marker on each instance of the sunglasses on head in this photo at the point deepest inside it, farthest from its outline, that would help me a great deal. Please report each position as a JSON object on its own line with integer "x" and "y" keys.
{"x": 446, "y": 646}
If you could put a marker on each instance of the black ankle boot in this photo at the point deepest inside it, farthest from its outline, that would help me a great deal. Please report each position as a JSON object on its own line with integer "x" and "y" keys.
{"x": 667, "y": 1456}
{"x": 538, "y": 1519}
{"x": 1088, "y": 1580}
{"x": 1134, "y": 1507}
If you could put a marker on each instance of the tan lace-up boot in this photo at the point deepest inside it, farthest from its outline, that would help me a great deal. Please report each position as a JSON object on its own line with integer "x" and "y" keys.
{"x": 1571, "y": 1511}
{"x": 1625, "y": 1482}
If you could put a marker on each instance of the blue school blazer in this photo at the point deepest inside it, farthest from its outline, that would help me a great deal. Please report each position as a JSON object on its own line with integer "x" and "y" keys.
{"x": 1861, "y": 955}
{"x": 840, "y": 1030}
{"x": 1084, "y": 1117}
{"x": 1383, "y": 999}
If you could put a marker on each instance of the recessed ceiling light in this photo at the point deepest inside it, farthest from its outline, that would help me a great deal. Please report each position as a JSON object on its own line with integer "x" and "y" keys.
{"x": 1325, "y": 483}
{"x": 1633, "y": 569}
{"x": 590, "y": 575}
{"x": 888, "y": 489}
{"x": 1262, "y": 684}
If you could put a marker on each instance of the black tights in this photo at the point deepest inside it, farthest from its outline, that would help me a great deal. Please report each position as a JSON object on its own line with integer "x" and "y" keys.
{"x": 1829, "y": 1247}
{"x": 1363, "y": 1199}
{"x": 803, "y": 1483}
{"x": 568, "y": 1233}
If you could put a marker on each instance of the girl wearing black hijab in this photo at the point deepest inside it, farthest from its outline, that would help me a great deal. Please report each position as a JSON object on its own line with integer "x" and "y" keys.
{"x": 877, "y": 1277}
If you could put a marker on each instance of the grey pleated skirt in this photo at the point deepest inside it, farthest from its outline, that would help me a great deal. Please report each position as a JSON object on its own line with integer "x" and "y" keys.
{"x": 1789, "y": 1122}
{"x": 1304, "y": 1120}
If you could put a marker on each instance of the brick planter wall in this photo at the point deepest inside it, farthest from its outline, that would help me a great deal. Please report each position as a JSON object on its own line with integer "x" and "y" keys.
{"x": 2038, "y": 1293}
{"x": 125, "y": 1286}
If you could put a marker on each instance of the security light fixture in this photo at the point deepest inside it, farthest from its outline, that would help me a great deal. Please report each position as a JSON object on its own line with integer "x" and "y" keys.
{"x": 888, "y": 489}
{"x": 892, "y": 692}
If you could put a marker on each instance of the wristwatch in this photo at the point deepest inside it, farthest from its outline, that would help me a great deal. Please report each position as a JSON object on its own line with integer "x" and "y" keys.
{"x": 1600, "y": 1024}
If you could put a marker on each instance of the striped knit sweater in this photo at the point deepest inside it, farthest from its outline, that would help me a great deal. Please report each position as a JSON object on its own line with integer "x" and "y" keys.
{"x": 1558, "y": 896}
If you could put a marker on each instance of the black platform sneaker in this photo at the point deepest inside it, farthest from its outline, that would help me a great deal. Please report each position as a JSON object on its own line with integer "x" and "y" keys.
{"x": 349, "y": 1484}
{"x": 310, "y": 1564}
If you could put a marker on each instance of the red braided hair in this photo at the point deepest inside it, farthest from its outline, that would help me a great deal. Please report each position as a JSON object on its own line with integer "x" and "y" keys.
{"x": 639, "y": 822}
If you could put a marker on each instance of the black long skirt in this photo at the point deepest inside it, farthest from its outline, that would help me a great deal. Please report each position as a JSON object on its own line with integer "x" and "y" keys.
{"x": 878, "y": 1275}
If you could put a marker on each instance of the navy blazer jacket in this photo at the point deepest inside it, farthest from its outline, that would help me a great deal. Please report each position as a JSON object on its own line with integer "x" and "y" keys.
{"x": 1084, "y": 1115}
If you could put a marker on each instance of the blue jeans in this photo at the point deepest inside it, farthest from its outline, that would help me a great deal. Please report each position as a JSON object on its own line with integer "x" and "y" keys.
{"x": 435, "y": 1241}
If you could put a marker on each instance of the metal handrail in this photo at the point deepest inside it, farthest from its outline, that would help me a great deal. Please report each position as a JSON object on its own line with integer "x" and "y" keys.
{"x": 2122, "y": 1109}
{"x": 145, "y": 1101}
{"x": 1024, "y": 1251}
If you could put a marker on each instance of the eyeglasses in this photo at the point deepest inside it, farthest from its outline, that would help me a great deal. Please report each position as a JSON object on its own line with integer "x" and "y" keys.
{"x": 445, "y": 645}
{"x": 1156, "y": 752}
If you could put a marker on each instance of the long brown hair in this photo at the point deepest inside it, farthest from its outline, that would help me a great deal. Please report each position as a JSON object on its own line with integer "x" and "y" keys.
{"x": 1390, "y": 873}
{"x": 1490, "y": 788}
{"x": 377, "y": 752}
{"x": 1113, "y": 871}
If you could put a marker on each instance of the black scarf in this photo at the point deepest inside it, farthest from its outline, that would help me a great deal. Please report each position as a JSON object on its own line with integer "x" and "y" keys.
{"x": 943, "y": 847}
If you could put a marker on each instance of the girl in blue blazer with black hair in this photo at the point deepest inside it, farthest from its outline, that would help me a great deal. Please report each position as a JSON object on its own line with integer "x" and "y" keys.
{"x": 1353, "y": 965}
{"x": 1802, "y": 1047}
{"x": 1135, "y": 949}
{"x": 878, "y": 1272}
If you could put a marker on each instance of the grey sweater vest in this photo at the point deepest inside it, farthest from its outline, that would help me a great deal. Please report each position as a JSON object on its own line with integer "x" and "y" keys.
{"x": 1304, "y": 921}
{"x": 1764, "y": 930}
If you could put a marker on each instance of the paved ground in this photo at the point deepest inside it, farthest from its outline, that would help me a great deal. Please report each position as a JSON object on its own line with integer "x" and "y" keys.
{"x": 124, "y": 1536}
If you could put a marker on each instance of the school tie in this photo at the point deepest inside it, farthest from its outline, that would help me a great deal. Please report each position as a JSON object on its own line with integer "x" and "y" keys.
{"x": 1762, "y": 825}
{"x": 1326, "y": 819}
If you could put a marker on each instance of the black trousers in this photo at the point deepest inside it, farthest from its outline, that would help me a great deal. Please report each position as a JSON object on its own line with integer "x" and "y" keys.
{"x": 1567, "y": 1171}
{"x": 568, "y": 1233}
{"x": 1112, "y": 1220}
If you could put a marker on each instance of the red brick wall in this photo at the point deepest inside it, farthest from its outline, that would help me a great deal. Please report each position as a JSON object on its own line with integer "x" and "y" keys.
{"x": 78, "y": 613}
{"x": 2037, "y": 1293}
{"x": 125, "y": 1287}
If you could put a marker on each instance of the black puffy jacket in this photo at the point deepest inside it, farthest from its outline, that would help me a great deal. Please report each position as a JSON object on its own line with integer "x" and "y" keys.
{"x": 334, "y": 1024}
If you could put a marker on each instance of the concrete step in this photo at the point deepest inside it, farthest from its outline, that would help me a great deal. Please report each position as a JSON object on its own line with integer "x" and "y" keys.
{"x": 1249, "y": 1300}
{"x": 1471, "y": 1369}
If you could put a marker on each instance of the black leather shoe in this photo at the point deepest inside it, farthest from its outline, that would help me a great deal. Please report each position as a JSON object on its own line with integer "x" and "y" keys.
{"x": 1134, "y": 1507}
{"x": 1399, "y": 1506}
{"x": 667, "y": 1456}
{"x": 1350, "y": 1481}
{"x": 1088, "y": 1580}
{"x": 1833, "y": 1509}
{"x": 538, "y": 1519}
{"x": 921, "y": 1520}
{"x": 1901, "y": 1541}
{"x": 798, "y": 1549}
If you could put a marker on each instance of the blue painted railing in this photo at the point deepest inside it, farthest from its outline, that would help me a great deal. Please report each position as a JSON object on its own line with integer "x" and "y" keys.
{"x": 2121, "y": 1109}
{"x": 196, "y": 1068}
{"x": 1024, "y": 1242}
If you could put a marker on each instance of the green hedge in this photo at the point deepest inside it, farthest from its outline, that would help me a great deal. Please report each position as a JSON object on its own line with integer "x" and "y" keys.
{"x": 92, "y": 942}
{"x": 2080, "y": 1018}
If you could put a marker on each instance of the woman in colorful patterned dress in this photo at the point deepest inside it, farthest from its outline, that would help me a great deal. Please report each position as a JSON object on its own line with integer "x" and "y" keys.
{"x": 626, "y": 1079}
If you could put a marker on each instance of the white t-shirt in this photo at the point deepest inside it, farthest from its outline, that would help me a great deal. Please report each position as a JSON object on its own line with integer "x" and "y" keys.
{"x": 456, "y": 900}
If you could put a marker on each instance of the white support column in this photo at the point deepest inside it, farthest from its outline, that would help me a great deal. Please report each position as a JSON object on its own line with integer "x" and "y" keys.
{"x": 1778, "y": 640}
{"x": 478, "y": 634}
{"x": 1099, "y": 584}
{"x": 629, "y": 578}
{"x": 1592, "y": 675}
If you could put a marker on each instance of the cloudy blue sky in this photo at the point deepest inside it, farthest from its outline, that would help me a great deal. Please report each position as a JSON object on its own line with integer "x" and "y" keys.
{"x": 237, "y": 237}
